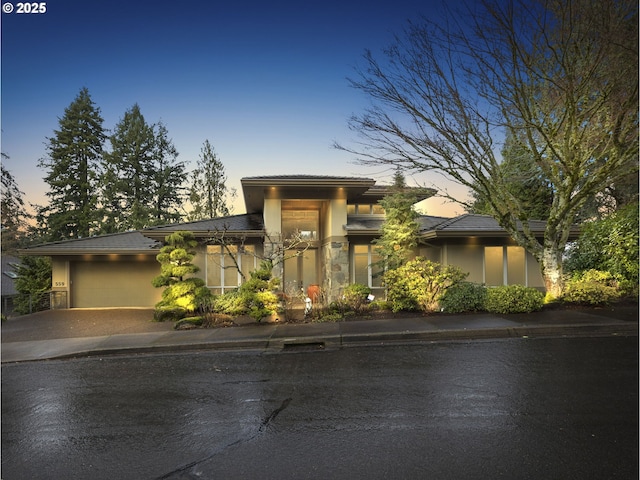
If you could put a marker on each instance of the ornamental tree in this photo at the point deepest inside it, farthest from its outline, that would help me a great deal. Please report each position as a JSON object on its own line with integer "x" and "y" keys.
{"x": 182, "y": 290}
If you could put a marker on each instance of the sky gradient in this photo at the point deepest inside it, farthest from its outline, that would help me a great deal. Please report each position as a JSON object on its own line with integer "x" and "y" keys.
{"x": 264, "y": 82}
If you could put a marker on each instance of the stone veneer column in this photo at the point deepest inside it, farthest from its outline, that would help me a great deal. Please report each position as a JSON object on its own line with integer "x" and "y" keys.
{"x": 335, "y": 269}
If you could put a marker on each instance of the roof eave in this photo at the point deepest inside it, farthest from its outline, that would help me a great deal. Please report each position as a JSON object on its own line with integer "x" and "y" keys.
{"x": 51, "y": 252}
{"x": 209, "y": 233}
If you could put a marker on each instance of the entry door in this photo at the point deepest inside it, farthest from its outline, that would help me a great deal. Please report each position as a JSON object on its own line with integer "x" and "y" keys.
{"x": 300, "y": 271}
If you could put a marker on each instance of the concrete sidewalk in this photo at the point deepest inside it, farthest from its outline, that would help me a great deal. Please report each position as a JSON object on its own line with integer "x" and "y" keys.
{"x": 317, "y": 336}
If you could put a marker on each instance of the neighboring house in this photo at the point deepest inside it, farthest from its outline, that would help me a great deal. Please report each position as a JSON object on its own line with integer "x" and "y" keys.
{"x": 334, "y": 219}
{"x": 8, "y": 287}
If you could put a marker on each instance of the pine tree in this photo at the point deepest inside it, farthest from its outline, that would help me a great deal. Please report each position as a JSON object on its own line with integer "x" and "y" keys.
{"x": 400, "y": 229}
{"x": 168, "y": 179}
{"x": 73, "y": 167}
{"x": 143, "y": 181}
{"x": 127, "y": 187}
{"x": 209, "y": 190}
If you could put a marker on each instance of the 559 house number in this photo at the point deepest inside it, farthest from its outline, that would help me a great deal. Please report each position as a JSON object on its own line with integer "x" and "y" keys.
{"x": 59, "y": 284}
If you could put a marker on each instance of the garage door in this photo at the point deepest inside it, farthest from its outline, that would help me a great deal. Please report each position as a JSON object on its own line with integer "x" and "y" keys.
{"x": 98, "y": 284}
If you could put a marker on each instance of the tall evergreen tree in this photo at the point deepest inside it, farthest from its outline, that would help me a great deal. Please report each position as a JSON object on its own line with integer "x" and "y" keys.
{"x": 127, "y": 185}
{"x": 209, "y": 192}
{"x": 400, "y": 229}
{"x": 168, "y": 179}
{"x": 143, "y": 181}
{"x": 73, "y": 167}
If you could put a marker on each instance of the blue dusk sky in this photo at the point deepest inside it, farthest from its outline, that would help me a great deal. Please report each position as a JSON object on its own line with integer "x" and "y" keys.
{"x": 264, "y": 82}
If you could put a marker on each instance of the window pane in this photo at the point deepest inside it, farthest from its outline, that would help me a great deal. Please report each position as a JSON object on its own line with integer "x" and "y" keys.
{"x": 362, "y": 249}
{"x": 376, "y": 271}
{"x": 351, "y": 209}
{"x": 493, "y": 266}
{"x": 378, "y": 210}
{"x": 361, "y": 269}
{"x": 230, "y": 272}
{"x": 247, "y": 265}
{"x": 304, "y": 223}
{"x": 213, "y": 265}
{"x": 364, "y": 209}
{"x": 515, "y": 266}
{"x": 291, "y": 284}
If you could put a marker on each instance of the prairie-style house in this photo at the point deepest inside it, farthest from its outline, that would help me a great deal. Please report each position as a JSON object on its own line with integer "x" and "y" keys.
{"x": 334, "y": 220}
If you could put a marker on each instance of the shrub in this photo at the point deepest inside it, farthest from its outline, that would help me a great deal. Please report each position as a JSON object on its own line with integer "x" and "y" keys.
{"x": 379, "y": 305}
{"x": 171, "y": 314}
{"x": 592, "y": 287}
{"x": 255, "y": 297}
{"x": 231, "y": 303}
{"x": 419, "y": 284}
{"x": 356, "y": 297}
{"x": 513, "y": 299}
{"x": 464, "y": 297}
{"x": 188, "y": 323}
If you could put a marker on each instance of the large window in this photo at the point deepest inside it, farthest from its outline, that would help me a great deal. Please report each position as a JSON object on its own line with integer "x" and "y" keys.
{"x": 504, "y": 266}
{"x": 365, "y": 269}
{"x": 225, "y": 264}
{"x": 303, "y": 224}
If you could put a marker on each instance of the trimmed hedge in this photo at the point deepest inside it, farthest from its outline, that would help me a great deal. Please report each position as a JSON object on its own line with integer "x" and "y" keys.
{"x": 464, "y": 297}
{"x": 513, "y": 299}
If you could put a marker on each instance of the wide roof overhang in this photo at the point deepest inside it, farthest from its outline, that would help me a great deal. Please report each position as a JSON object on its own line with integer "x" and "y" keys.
{"x": 256, "y": 189}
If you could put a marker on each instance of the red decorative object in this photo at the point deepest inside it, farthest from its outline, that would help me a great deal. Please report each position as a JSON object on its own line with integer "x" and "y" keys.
{"x": 313, "y": 292}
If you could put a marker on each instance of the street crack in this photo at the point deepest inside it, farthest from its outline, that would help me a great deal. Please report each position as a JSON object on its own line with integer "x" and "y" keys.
{"x": 183, "y": 471}
{"x": 271, "y": 417}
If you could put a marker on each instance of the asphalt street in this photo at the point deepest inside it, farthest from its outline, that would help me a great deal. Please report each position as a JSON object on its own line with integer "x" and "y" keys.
{"x": 552, "y": 408}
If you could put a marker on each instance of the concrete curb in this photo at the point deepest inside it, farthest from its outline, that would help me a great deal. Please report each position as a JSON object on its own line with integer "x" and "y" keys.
{"x": 331, "y": 339}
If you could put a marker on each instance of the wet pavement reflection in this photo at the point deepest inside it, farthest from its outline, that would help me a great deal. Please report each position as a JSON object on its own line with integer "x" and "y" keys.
{"x": 546, "y": 408}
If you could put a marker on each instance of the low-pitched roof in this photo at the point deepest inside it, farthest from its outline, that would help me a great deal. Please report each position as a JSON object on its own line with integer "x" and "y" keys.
{"x": 149, "y": 241}
{"x": 127, "y": 243}
{"x": 364, "y": 225}
{"x": 251, "y": 225}
{"x": 481, "y": 226}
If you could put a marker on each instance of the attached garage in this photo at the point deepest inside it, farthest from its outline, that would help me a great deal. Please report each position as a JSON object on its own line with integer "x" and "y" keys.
{"x": 122, "y": 283}
{"x": 106, "y": 271}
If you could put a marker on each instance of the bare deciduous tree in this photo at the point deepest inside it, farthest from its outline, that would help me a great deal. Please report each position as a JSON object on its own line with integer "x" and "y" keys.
{"x": 561, "y": 76}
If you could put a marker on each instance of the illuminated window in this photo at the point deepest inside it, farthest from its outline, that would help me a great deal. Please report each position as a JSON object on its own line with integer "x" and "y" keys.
{"x": 225, "y": 264}
{"x": 377, "y": 209}
{"x": 504, "y": 266}
{"x": 365, "y": 269}
{"x": 365, "y": 209}
{"x": 302, "y": 224}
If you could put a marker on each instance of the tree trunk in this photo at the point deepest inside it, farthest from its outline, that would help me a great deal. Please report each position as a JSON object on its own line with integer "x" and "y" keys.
{"x": 551, "y": 265}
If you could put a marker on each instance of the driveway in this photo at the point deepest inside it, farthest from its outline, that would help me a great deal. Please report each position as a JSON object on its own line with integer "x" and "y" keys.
{"x": 80, "y": 322}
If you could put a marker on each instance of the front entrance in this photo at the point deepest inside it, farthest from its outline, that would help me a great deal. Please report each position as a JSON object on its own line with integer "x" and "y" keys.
{"x": 300, "y": 271}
